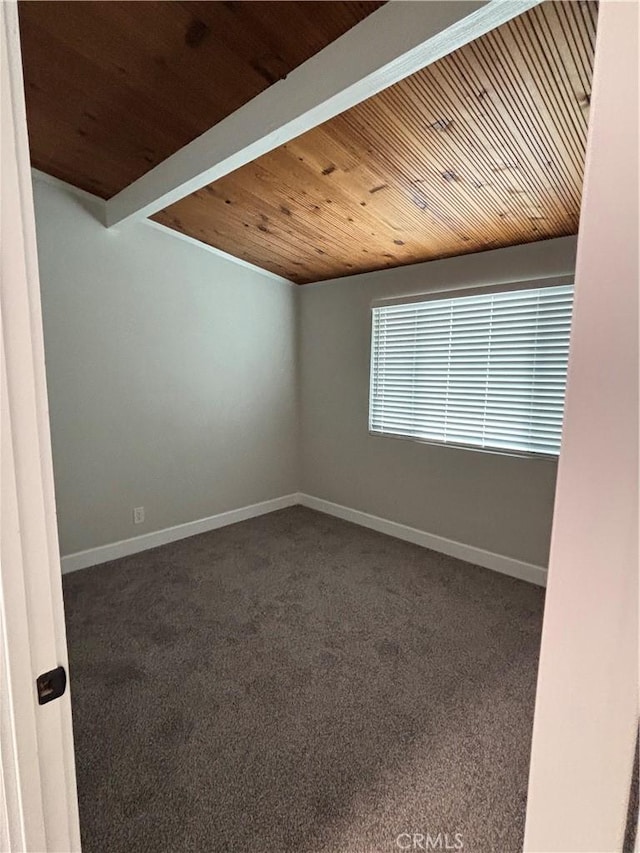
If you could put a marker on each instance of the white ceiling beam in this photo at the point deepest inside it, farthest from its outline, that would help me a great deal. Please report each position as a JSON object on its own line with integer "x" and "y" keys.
{"x": 394, "y": 42}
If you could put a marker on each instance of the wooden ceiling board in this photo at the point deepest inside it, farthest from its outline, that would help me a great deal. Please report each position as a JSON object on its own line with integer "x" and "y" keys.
{"x": 483, "y": 149}
{"x": 113, "y": 88}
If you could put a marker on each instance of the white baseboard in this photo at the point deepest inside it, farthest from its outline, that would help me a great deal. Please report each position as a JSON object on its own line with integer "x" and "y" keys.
{"x": 104, "y": 553}
{"x": 477, "y": 556}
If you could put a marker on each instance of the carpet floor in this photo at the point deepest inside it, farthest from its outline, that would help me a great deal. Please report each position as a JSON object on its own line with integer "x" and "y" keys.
{"x": 298, "y": 683}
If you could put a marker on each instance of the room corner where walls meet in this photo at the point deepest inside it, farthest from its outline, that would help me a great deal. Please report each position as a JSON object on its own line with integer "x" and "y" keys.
{"x": 181, "y": 378}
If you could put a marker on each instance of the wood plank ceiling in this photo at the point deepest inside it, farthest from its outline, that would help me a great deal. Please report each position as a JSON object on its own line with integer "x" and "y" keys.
{"x": 483, "y": 149}
{"x": 113, "y": 88}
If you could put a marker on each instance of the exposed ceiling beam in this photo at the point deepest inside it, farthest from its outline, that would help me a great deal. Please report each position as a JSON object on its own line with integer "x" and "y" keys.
{"x": 394, "y": 42}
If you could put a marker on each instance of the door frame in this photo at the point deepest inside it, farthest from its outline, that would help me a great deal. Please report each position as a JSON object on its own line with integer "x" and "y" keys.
{"x": 38, "y": 798}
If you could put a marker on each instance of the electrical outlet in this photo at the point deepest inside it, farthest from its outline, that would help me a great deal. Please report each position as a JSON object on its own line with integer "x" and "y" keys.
{"x": 138, "y": 514}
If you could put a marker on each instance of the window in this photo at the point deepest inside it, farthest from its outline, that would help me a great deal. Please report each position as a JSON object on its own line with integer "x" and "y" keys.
{"x": 485, "y": 371}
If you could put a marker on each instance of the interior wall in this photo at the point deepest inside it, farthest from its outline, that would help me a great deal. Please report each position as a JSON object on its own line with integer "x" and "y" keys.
{"x": 177, "y": 378}
{"x": 171, "y": 376}
{"x": 501, "y": 503}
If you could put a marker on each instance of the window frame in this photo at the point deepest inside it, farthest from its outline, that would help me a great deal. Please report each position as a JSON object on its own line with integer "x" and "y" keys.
{"x": 453, "y": 293}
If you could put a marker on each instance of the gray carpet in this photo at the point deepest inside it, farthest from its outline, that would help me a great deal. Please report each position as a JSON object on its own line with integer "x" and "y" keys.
{"x": 298, "y": 683}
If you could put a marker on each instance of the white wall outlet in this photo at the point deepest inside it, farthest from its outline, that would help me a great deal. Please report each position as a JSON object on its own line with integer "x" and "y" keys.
{"x": 138, "y": 514}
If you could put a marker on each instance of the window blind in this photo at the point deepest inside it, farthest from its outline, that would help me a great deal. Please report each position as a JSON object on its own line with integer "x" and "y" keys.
{"x": 483, "y": 371}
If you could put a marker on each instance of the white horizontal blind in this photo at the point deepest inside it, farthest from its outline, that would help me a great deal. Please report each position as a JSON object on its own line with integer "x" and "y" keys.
{"x": 486, "y": 371}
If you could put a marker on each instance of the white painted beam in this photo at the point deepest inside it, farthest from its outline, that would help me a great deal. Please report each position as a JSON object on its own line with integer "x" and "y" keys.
{"x": 97, "y": 206}
{"x": 394, "y": 42}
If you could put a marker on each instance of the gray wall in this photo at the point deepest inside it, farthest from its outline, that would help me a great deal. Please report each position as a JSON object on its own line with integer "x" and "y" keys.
{"x": 497, "y": 502}
{"x": 177, "y": 378}
{"x": 171, "y": 376}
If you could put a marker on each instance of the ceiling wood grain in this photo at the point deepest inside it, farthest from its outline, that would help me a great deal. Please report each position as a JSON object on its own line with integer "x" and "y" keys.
{"x": 483, "y": 149}
{"x": 113, "y": 88}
